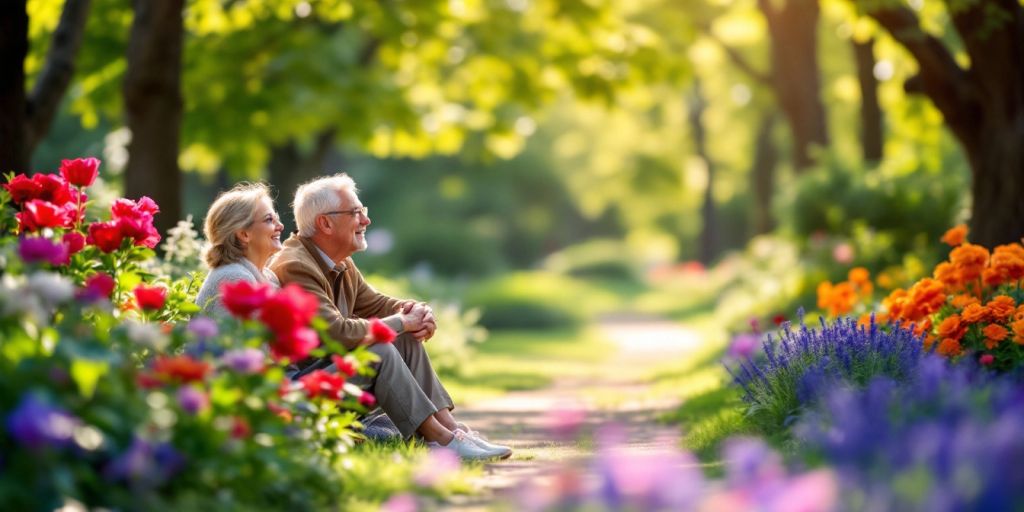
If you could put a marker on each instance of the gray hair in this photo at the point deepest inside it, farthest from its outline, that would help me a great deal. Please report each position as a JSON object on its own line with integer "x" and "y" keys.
{"x": 317, "y": 197}
{"x": 231, "y": 211}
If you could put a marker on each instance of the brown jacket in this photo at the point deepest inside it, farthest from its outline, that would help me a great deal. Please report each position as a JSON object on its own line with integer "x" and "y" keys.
{"x": 300, "y": 262}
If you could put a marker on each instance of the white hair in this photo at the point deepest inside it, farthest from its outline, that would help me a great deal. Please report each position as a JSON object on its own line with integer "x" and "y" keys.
{"x": 317, "y": 197}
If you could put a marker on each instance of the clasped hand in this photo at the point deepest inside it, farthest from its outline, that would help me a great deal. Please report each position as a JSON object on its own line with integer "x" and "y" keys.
{"x": 418, "y": 319}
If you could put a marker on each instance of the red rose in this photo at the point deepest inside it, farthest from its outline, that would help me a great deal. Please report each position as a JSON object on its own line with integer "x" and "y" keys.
{"x": 346, "y": 365}
{"x": 55, "y": 189}
{"x": 240, "y": 428}
{"x": 22, "y": 188}
{"x": 99, "y": 285}
{"x": 150, "y": 298}
{"x": 128, "y": 208}
{"x": 80, "y": 171}
{"x": 37, "y": 214}
{"x": 75, "y": 242}
{"x": 289, "y": 309}
{"x": 140, "y": 229}
{"x": 295, "y": 345}
{"x": 323, "y": 383}
{"x": 380, "y": 332}
{"x": 242, "y": 298}
{"x": 105, "y": 235}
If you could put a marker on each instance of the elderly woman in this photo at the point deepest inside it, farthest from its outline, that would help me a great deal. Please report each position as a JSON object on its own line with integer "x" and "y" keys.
{"x": 243, "y": 231}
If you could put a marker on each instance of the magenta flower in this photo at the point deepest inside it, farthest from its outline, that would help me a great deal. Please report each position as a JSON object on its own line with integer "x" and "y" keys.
{"x": 38, "y": 249}
{"x": 203, "y": 328}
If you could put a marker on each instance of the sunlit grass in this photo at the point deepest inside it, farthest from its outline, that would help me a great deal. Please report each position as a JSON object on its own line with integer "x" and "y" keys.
{"x": 373, "y": 472}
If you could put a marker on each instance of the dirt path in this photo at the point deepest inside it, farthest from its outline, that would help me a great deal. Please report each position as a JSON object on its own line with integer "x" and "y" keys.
{"x": 618, "y": 394}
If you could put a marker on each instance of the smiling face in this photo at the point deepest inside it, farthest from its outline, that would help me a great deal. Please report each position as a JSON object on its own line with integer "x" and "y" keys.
{"x": 262, "y": 238}
{"x": 349, "y": 226}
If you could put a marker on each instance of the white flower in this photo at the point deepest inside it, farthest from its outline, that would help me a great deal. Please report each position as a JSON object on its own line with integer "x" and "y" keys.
{"x": 147, "y": 335}
{"x": 52, "y": 289}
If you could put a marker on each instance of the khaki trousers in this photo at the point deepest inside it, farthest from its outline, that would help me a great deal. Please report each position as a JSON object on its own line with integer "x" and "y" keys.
{"x": 406, "y": 387}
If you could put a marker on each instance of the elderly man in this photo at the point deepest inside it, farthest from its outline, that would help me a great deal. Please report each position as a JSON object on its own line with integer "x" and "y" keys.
{"x": 331, "y": 228}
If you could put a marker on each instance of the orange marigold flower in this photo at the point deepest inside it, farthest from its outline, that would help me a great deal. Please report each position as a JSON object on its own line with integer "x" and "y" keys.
{"x": 836, "y": 299}
{"x": 947, "y": 273}
{"x": 1019, "y": 313}
{"x": 951, "y": 328}
{"x": 180, "y": 368}
{"x": 995, "y": 332}
{"x": 955, "y": 235}
{"x": 922, "y": 326}
{"x": 949, "y": 348}
{"x": 859, "y": 275}
{"x": 963, "y": 300}
{"x": 974, "y": 313}
{"x": 1001, "y": 308}
{"x": 970, "y": 260}
{"x": 929, "y": 340}
{"x": 824, "y": 294}
{"x": 864, "y": 320}
{"x": 1007, "y": 265}
{"x": 1018, "y": 331}
{"x": 928, "y": 295}
{"x": 991, "y": 277}
{"x": 1014, "y": 249}
{"x": 895, "y": 303}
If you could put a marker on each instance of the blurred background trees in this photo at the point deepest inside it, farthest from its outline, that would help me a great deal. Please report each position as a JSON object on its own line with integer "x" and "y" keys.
{"x": 490, "y": 135}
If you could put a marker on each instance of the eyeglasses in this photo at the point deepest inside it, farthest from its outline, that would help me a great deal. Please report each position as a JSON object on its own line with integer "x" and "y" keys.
{"x": 364, "y": 211}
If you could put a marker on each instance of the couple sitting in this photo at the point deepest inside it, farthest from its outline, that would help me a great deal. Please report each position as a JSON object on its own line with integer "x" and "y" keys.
{"x": 244, "y": 233}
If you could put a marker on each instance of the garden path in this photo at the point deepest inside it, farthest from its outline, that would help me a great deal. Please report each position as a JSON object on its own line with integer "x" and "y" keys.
{"x": 620, "y": 393}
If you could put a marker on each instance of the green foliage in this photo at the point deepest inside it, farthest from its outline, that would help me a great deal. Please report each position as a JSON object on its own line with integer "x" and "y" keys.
{"x": 536, "y": 300}
{"x": 909, "y": 209}
{"x": 597, "y": 258}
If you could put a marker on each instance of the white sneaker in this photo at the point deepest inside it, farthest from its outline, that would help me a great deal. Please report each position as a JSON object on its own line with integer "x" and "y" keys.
{"x": 497, "y": 450}
{"x": 466, "y": 448}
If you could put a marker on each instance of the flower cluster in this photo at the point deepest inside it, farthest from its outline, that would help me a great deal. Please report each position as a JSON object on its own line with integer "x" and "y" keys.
{"x": 130, "y": 220}
{"x": 972, "y": 305}
{"x": 947, "y": 439}
{"x": 839, "y": 299}
{"x": 801, "y": 362}
{"x": 50, "y": 200}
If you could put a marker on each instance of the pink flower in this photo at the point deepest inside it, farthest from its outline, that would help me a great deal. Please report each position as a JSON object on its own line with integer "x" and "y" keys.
{"x": 380, "y": 332}
{"x": 135, "y": 219}
{"x": 842, "y": 253}
{"x": 744, "y": 345}
{"x": 80, "y": 171}
{"x": 74, "y": 241}
{"x": 987, "y": 359}
{"x": 192, "y": 400}
{"x": 367, "y": 399}
{"x": 38, "y": 214}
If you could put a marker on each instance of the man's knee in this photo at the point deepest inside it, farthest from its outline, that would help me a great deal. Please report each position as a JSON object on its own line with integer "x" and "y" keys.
{"x": 385, "y": 351}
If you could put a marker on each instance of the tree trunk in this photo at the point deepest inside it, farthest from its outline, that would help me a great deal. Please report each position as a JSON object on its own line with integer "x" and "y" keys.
{"x": 709, "y": 230}
{"x": 983, "y": 105}
{"x": 153, "y": 107}
{"x": 288, "y": 168}
{"x": 870, "y": 111}
{"x": 793, "y": 31}
{"x": 766, "y": 158}
{"x": 13, "y": 104}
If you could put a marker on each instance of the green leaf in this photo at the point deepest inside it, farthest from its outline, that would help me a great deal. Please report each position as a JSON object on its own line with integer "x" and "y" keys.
{"x": 86, "y": 373}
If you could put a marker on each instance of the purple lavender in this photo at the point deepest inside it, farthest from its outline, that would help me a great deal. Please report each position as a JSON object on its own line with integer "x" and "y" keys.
{"x": 801, "y": 362}
{"x": 41, "y": 249}
{"x": 37, "y": 424}
{"x": 952, "y": 430}
{"x": 145, "y": 464}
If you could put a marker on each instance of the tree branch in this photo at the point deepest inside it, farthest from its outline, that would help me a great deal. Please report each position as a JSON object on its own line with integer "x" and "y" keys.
{"x": 57, "y": 72}
{"x": 738, "y": 59}
{"x": 947, "y": 84}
